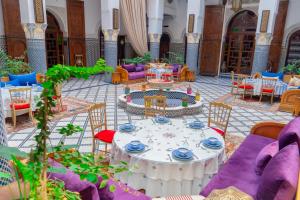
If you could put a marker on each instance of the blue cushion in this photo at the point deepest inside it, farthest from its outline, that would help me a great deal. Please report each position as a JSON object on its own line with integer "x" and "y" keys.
{"x": 270, "y": 74}
{"x": 24, "y": 78}
{"x": 13, "y": 83}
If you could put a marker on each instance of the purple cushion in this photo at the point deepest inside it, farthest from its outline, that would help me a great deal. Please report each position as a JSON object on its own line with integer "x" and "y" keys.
{"x": 122, "y": 192}
{"x": 87, "y": 190}
{"x": 264, "y": 156}
{"x": 290, "y": 134}
{"x": 176, "y": 67}
{"x": 136, "y": 75}
{"x": 140, "y": 67}
{"x": 239, "y": 170}
{"x": 280, "y": 177}
{"x": 129, "y": 67}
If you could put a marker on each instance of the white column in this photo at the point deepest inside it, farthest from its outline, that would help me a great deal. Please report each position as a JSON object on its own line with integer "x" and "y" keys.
{"x": 155, "y": 12}
{"x": 110, "y": 34}
{"x": 197, "y": 8}
{"x": 264, "y": 39}
{"x": 35, "y": 35}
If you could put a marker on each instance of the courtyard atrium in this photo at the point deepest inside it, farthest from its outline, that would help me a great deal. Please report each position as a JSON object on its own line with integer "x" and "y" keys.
{"x": 150, "y": 99}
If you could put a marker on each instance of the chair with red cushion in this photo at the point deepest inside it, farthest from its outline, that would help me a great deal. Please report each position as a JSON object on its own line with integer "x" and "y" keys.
{"x": 218, "y": 115}
{"x": 268, "y": 88}
{"x": 58, "y": 96}
{"x": 97, "y": 117}
{"x": 20, "y": 99}
{"x": 244, "y": 88}
{"x": 234, "y": 82}
{"x": 150, "y": 75}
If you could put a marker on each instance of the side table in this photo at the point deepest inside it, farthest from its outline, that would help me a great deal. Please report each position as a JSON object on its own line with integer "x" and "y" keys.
{"x": 190, "y": 76}
{"x": 116, "y": 78}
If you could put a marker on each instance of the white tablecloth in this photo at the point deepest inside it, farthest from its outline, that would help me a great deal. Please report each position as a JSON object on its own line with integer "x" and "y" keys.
{"x": 280, "y": 87}
{"x": 35, "y": 97}
{"x": 159, "y": 69}
{"x": 154, "y": 171}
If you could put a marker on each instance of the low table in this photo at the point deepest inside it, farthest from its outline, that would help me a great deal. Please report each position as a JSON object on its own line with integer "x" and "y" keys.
{"x": 160, "y": 84}
{"x": 155, "y": 170}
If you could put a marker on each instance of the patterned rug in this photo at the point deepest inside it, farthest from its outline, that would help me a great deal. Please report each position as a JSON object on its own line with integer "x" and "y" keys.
{"x": 253, "y": 103}
{"x": 71, "y": 106}
{"x": 232, "y": 143}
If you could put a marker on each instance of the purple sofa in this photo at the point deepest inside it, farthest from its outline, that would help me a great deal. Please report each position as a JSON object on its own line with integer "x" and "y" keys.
{"x": 135, "y": 71}
{"x": 90, "y": 191}
{"x": 277, "y": 180}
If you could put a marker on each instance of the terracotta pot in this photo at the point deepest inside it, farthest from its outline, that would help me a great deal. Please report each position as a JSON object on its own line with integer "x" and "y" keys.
{"x": 4, "y": 79}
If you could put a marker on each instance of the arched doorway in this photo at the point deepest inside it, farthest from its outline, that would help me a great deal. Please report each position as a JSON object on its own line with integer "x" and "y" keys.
{"x": 101, "y": 42}
{"x": 293, "y": 52}
{"x": 240, "y": 43}
{"x": 54, "y": 42}
{"x": 164, "y": 45}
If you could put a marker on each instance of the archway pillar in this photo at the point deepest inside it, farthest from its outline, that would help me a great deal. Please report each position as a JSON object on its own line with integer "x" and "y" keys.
{"x": 110, "y": 34}
{"x": 195, "y": 8}
{"x": 35, "y": 33}
{"x": 192, "y": 51}
{"x": 155, "y": 13}
{"x": 264, "y": 34}
{"x": 110, "y": 50}
{"x": 154, "y": 45}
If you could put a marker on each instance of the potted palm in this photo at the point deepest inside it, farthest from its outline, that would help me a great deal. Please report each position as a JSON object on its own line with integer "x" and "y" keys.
{"x": 290, "y": 70}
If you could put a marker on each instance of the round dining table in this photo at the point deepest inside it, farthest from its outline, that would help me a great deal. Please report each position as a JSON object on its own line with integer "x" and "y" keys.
{"x": 155, "y": 170}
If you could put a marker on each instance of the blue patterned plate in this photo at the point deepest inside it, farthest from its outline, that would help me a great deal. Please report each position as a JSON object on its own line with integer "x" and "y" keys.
{"x": 212, "y": 143}
{"x": 128, "y": 127}
{"x": 182, "y": 154}
{"x": 196, "y": 125}
{"x": 135, "y": 147}
{"x": 162, "y": 119}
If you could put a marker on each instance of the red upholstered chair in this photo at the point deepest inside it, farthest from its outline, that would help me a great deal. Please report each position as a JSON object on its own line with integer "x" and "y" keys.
{"x": 167, "y": 76}
{"x": 244, "y": 88}
{"x": 150, "y": 75}
{"x": 268, "y": 88}
{"x": 218, "y": 115}
{"x": 97, "y": 116}
{"x": 20, "y": 99}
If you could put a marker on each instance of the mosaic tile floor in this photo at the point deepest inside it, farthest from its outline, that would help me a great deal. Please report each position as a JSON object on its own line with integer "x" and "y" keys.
{"x": 96, "y": 90}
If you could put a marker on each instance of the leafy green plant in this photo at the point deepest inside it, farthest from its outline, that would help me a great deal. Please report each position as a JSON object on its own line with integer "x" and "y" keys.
{"x": 12, "y": 65}
{"x": 173, "y": 57}
{"x": 292, "y": 68}
{"x": 145, "y": 59}
{"x": 33, "y": 172}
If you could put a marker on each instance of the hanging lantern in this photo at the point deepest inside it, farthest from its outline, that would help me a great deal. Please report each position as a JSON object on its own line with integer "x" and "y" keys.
{"x": 236, "y": 5}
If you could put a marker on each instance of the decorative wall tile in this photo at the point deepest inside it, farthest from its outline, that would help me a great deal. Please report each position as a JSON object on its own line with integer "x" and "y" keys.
{"x": 178, "y": 48}
{"x": 92, "y": 50}
{"x": 260, "y": 60}
{"x": 192, "y": 56}
{"x": 36, "y": 51}
{"x": 154, "y": 49}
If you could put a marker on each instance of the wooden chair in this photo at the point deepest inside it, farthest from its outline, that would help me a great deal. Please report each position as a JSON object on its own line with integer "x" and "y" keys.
{"x": 234, "y": 82}
{"x": 244, "y": 88}
{"x": 79, "y": 60}
{"x": 268, "y": 88}
{"x": 58, "y": 96}
{"x": 97, "y": 117}
{"x": 155, "y": 105}
{"x": 20, "y": 102}
{"x": 219, "y": 114}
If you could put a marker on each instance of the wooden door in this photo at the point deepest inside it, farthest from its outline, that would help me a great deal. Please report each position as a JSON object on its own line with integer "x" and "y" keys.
{"x": 76, "y": 28}
{"x": 14, "y": 33}
{"x": 212, "y": 37}
{"x": 275, "y": 49}
{"x": 293, "y": 53}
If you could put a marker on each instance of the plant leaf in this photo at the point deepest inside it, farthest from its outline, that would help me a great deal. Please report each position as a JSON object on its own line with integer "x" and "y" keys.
{"x": 93, "y": 178}
{"x": 103, "y": 184}
{"x": 112, "y": 188}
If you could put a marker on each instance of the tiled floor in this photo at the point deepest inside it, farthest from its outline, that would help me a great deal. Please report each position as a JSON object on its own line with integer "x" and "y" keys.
{"x": 96, "y": 90}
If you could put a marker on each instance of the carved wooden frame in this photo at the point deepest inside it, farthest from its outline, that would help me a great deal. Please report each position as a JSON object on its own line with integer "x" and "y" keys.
{"x": 39, "y": 11}
{"x": 115, "y": 18}
{"x": 264, "y": 21}
{"x": 191, "y": 23}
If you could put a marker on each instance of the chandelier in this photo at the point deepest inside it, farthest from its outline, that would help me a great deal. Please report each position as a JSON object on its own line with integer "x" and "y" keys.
{"x": 236, "y": 5}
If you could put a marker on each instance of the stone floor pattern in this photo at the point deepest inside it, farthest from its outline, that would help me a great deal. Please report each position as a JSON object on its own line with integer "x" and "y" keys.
{"x": 96, "y": 90}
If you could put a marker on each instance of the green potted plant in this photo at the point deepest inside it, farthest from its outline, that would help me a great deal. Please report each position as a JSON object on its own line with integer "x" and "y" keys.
{"x": 31, "y": 175}
{"x": 143, "y": 60}
{"x": 290, "y": 70}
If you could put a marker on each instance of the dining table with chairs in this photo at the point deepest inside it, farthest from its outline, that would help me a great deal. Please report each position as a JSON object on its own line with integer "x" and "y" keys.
{"x": 168, "y": 156}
